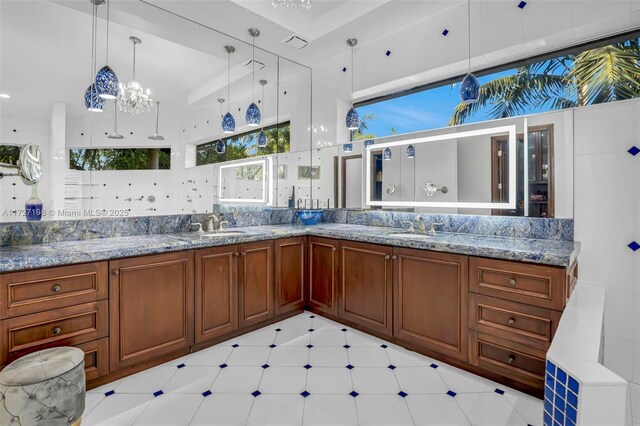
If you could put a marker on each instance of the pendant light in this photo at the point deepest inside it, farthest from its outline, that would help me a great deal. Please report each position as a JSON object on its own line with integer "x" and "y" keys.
{"x": 133, "y": 98}
{"x": 470, "y": 86}
{"x": 411, "y": 151}
{"x": 253, "y": 115}
{"x": 106, "y": 79}
{"x": 115, "y": 134}
{"x": 92, "y": 101}
{"x": 386, "y": 155}
{"x": 221, "y": 147}
{"x": 347, "y": 147}
{"x": 262, "y": 137}
{"x": 156, "y": 136}
{"x": 353, "y": 120}
{"x": 228, "y": 122}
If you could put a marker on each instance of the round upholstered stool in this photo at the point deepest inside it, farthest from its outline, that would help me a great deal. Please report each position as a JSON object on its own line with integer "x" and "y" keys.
{"x": 43, "y": 388}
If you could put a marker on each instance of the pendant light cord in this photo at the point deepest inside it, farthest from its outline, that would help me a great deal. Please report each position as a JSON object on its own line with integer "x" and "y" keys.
{"x": 352, "y": 72}
{"x": 134, "y": 61}
{"x": 108, "y": 10}
{"x": 228, "y": 80}
{"x": 469, "y": 21}
{"x": 253, "y": 77}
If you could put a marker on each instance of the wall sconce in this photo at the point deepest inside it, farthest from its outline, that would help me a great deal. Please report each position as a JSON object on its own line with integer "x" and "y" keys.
{"x": 432, "y": 188}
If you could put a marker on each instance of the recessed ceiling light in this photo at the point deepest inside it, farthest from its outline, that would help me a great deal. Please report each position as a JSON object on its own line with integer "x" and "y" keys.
{"x": 4, "y": 95}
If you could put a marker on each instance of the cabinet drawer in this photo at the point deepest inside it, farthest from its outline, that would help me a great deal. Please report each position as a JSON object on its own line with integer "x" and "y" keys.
{"x": 66, "y": 326}
{"x": 42, "y": 290}
{"x": 513, "y": 321}
{"x": 537, "y": 285}
{"x": 96, "y": 358}
{"x": 510, "y": 359}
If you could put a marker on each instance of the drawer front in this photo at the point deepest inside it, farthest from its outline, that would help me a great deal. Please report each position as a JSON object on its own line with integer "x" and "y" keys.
{"x": 96, "y": 358}
{"x": 42, "y": 290}
{"x": 67, "y": 326}
{"x": 510, "y": 359}
{"x": 513, "y": 321}
{"x": 537, "y": 285}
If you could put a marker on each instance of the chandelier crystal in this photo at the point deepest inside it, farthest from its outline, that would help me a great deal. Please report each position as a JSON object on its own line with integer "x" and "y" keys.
{"x": 292, "y": 3}
{"x": 133, "y": 98}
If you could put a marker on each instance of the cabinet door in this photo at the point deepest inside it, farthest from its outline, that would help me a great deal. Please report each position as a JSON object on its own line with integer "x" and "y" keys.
{"x": 430, "y": 293}
{"x": 323, "y": 275}
{"x": 366, "y": 285}
{"x": 216, "y": 307}
{"x": 290, "y": 274}
{"x": 256, "y": 282}
{"x": 151, "y": 307}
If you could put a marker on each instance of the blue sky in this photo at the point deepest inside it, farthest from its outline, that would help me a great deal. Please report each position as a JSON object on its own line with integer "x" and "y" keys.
{"x": 429, "y": 109}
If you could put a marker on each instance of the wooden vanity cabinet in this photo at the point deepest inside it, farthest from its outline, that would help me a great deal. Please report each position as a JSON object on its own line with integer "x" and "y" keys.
{"x": 430, "y": 301}
{"x": 255, "y": 282}
{"x": 216, "y": 292}
{"x": 151, "y": 305}
{"x": 366, "y": 292}
{"x": 323, "y": 275}
{"x": 290, "y": 274}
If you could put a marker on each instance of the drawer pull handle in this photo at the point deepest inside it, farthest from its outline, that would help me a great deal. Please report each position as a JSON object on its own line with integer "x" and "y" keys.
{"x": 56, "y": 331}
{"x": 511, "y": 322}
{"x": 394, "y": 257}
{"x": 333, "y": 249}
{"x": 512, "y": 282}
{"x": 387, "y": 257}
{"x": 116, "y": 272}
{"x": 511, "y": 359}
{"x": 243, "y": 254}
{"x": 236, "y": 254}
{"x": 56, "y": 288}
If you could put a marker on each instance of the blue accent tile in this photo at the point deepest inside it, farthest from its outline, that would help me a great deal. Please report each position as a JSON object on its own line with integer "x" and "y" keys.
{"x": 388, "y": 53}
{"x": 346, "y": 346}
{"x": 111, "y": 392}
{"x": 573, "y": 385}
{"x": 344, "y": 329}
{"x": 265, "y": 366}
{"x": 451, "y": 394}
{"x": 235, "y": 345}
{"x": 256, "y": 393}
{"x": 344, "y": 69}
{"x": 391, "y": 367}
{"x": 278, "y": 329}
{"x": 561, "y": 376}
{"x": 305, "y": 394}
{"x": 549, "y": 380}
{"x": 572, "y": 399}
{"x": 180, "y": 365}
{"x": 548, "y": 406}
{"x": 272, "y": 346}
{"x": 572, "y": 413}
{"x": 349, "y": 367}
{"x": 384, "y": 346}
{"x": 206, "y": 394}
{"x": 560, "y": 404}
{"x": 546, "y": 419}
{"x": 522, "y": 4}
{"x": 354, "y": 393}
{"x": 310, "y": 330}
{"x": 634, "y": 246}
{"x": 307, "y": 366}
{"x": 445, "y": 32}
{"x": 309, "y": 346}
{"x": 561, "y": 391}
{"x": 551, "y": 368}
{"x": 558, "y": 416}
{"x": 634, "y": 150}
{"x": 556, "y": 423}
{"x": 402, "y": 394}
{"x": 568, "y": 422}
{"x": 158, "y": 393}
{"x": 499, "y": 391}
{"x": 223, "y": 365}
{"x": 434, "y": 366}
{"x": 312, "y": 316}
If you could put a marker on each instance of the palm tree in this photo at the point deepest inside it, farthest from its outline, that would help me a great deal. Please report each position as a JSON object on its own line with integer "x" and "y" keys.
{"x": 363, "y": 127}
{"x": 604, "y": 74}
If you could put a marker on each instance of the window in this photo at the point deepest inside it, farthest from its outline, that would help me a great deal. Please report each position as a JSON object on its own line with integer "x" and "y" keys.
{"x": 245, "y": 145}
{"x": 604, "y": 72}
{"x": 120, "y": 159}
{"x": 9, "y": 154}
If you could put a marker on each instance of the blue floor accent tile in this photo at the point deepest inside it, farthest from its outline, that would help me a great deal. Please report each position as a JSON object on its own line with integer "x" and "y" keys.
{"x": 312, "y": 316}
{"x": 402, "y": 394}
{"x": 235, "y": 345}
{"x": 634, "y": 150}
{"x": 111, "y": 392}
{"x": 305, "y": 394}
{"x": 391, "y": 367}
{"x": 634, "y": 246}
{"x": 256, "y": 393}
{"x": 384, "y": 346}
{"x": 445, "y": 32}
{"x": 434, "y": 366}
{"x": 354, "y": 394}
{"x": 307, "y": 366}
{"x": 346, "y": 346}
{"x": 349, "y": 367}
{"x": 180, "y": 365}
{"x": 499, "y": 391}
{"x": 158, "y": 393}
{"x": 206, "y": 394}
{"x": 309, "y": 346}
{"x": 272, "y": 346}
{"x": 344, "y": 329}
{"x": 451, "y": 394}
{"x": 278, "y": 329}
{"x": 310, "y": 330}
{"x": 265, "y": 366}
{"x": 223, "y": 365}
{"x": 522, "y": 4}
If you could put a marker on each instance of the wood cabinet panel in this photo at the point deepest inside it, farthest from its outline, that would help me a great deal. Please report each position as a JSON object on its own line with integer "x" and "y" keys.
{"x": 216, "y": 284}
{"x": 96, "y": 358}
{"x": 151, "y": 307}
{"x": 366, "y": 290}
{"x": 430, "y": 301}
{"x": 256, "y": 282}
{"x": 513, "y": 321}
{"x": 40, "y": 290}
{"x": 537, "y": 285}
{"x": 323, "y": 274}
{"x": 290, "y": 274}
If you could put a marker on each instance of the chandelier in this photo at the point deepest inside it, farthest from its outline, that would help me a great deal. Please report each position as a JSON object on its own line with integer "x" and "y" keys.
{"x": 292, "y": 3}
{"x": 133, "y": 98}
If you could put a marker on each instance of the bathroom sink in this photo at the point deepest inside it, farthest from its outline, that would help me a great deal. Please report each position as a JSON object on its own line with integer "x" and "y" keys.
{"x": 413, "y": 236}
{"x": 221, "y": 234}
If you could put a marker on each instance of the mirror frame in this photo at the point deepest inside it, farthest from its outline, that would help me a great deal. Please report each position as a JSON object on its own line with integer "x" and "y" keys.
{"x": 267, "y": 182}
{"x": 511, "y": 130}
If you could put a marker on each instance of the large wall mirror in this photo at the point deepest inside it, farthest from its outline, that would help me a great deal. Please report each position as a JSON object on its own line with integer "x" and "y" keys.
{"x": 166, "y": 151}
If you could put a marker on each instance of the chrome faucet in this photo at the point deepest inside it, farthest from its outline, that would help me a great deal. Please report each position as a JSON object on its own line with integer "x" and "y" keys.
{"x": 222, "y": 224}
{"x": 210, "y": 220}
{"x": 411, "y": 228}
{"x": 432, "y": 230}
{"x": 422, "y": 225}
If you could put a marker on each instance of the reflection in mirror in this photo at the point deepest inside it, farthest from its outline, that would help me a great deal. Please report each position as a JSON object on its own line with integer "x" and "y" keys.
{"x": 246, "y": 182}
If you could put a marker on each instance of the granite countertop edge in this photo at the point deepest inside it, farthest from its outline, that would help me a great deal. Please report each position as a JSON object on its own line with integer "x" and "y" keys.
{"x": 24, "y": 257}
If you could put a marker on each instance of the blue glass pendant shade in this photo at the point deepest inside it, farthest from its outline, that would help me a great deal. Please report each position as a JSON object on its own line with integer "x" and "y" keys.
{"x": 228, "y": 123}
{"x": 221, "y": 147}
{"x": 386, "y": 154}
{"x": 369, "y": 142}
{"x": 92, "y": 101}
{"x": 253, "y": 115}
{"x": 353, "y": 120}
{"x": 262, "y": 139}
{"x": 348, "y": 147}
{"x": 411, "y": 151}
{"x": 107, "y": 83}
{"x": 470, "y": 89}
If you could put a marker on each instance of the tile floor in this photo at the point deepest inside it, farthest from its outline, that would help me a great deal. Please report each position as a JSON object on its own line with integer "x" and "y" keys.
{"x": 307, "y": 370}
